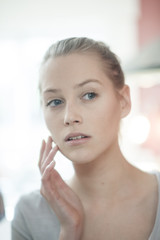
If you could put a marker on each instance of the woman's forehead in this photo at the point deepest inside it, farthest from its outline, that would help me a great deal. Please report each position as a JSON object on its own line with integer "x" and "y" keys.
{"x": 72, "y": 69}
{"x": 73, "y": 64}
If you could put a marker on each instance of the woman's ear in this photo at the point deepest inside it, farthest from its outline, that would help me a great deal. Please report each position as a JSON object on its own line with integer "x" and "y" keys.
{"x": 125, "y": 101}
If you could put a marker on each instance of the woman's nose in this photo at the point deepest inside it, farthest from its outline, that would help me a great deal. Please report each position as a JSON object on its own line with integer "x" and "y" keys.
{"x": 72, "y": 115}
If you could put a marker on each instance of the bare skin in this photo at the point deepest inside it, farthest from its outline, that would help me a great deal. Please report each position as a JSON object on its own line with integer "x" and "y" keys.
{"x": 107, "y": 198}
{"x": 120, "y": 216}
{"x": 60, "y": 197}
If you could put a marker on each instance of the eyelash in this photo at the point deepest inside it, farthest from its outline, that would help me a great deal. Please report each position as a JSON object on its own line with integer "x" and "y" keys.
{"x": 93, "y": 94}
{"x": 57, "y": 102}
{"x": 54, "y": 101}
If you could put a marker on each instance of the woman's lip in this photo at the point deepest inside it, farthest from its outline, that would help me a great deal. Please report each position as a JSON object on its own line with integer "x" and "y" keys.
{"x": 78, "y": 141}
{"x": 73, "y": 135}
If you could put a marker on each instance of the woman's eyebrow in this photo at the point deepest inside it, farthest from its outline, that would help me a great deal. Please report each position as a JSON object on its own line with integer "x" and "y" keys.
{"x": 52, "y": 90}
{"x": 86, "y": 82}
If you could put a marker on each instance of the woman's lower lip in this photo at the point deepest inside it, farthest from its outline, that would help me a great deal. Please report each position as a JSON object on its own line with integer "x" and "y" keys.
{"x": 75, "y": 142}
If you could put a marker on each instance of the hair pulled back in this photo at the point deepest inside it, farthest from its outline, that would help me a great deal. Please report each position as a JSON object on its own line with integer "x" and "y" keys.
{"x": 110, "y": 61}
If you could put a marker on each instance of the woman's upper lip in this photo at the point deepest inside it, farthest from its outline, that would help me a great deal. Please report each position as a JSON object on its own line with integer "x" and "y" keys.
{"x": 70, "y": 135}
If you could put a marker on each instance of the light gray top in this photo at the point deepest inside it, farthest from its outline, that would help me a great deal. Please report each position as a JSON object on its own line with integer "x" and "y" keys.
{"x": 35, "y": 220}
{"x": 155, "y": 234}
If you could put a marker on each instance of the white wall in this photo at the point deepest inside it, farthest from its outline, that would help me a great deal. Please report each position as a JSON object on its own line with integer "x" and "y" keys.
{"x": 109, "y": 20}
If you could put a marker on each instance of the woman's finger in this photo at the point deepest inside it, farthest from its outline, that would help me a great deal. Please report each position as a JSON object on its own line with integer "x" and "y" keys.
{"x": 43, "y": 145}
{"x": 44, "y": 151}
{"x": 48, "y": 147}
{"x": 67, "y": 210}
{"x": 49, "y": 158}
{"x": 64, "y": 190}
{"x": 59, "y": 185}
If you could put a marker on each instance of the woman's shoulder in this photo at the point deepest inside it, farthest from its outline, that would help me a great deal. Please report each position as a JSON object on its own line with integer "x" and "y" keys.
{"x": 34, "y": 219}
{"x": 33, "y": 204}
{"x": 31, "y": 199}
{"x": 157, "y": 173}
{"x": 156, "y": 230}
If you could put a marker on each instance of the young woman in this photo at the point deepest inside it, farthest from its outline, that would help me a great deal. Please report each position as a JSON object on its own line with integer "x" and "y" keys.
{"x": 84, "y": 98}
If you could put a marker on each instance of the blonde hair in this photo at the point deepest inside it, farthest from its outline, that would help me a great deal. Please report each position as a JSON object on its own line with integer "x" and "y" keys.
{"x": 86, "y": 45}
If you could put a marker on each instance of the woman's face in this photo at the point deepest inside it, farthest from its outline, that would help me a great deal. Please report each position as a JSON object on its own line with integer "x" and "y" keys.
{"x": 81, "y": 107}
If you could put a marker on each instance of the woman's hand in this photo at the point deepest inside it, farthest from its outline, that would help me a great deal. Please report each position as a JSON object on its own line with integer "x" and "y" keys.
{"x": 59, "y": 195}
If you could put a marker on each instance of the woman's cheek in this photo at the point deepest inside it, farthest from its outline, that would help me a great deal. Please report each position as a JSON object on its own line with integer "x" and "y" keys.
{"x": 54, "y": 129}
{"x": 49, "y": 122}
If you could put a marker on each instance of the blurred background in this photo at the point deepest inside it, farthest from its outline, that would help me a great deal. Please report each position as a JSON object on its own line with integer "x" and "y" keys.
{"x": 27, "y": 28}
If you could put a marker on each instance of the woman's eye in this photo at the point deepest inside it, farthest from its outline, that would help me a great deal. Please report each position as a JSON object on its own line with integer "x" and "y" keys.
{"x": 89, "y": 96}
{"x": 54, "y": 103}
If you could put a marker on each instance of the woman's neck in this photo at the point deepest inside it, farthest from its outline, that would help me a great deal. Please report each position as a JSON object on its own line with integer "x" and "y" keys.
{"x": 103, "y": 176}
